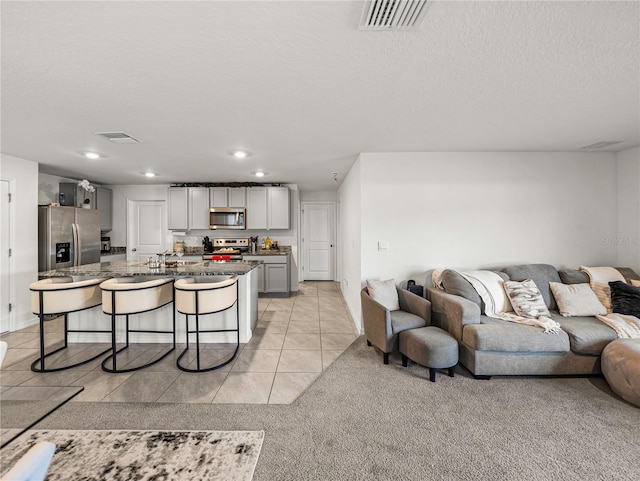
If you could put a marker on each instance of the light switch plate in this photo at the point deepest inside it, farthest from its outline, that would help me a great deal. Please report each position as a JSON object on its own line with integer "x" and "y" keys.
{"x": 383, "y": 245}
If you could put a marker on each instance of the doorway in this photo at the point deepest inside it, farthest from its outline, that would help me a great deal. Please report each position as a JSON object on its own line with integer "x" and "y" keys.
{"x": 146, "y": 228}
{"x": 6, "y": 270}
{"x": 318, "y": 241}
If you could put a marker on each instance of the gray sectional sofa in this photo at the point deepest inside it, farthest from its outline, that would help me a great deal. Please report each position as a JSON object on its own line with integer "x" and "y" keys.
{"x": 491, "y": 346}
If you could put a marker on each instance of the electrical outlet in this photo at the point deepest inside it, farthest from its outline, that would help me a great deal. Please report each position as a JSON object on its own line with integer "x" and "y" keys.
{"x": 346, "y": 283}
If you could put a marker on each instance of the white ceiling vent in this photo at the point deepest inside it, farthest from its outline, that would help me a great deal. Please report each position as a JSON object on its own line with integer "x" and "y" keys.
{"x": 602, "y": 145}
{"x": 119, "y": 137}
{"x": 393, "y": 14}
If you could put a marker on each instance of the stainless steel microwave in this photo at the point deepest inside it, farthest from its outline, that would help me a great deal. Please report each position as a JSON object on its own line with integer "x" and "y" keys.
{"x": 227, "y": 218}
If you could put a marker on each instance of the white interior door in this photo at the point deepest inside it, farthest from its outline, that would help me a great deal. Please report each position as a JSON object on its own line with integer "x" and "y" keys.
{"x": 5, "y": 259}
{"x": 318, "y": 241}
{"x": 146, "y": 228}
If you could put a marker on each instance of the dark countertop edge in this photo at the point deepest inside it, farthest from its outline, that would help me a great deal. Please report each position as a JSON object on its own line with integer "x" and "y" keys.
{"x": 119, "y": 270}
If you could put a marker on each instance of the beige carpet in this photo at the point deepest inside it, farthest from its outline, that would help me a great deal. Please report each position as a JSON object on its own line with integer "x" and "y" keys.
{"x": 364, "y": 420}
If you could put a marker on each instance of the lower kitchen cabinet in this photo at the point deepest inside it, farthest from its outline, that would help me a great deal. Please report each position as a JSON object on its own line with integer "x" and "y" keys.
{"x": 273, "y": 275}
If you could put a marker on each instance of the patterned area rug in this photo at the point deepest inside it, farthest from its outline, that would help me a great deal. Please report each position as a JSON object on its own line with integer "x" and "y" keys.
{"x": 144, "y": 455}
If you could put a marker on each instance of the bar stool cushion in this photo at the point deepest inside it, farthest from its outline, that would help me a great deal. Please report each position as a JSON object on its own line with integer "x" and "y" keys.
{"x": 213, "y": 297}
{"x": 62, "y": 294}
{"x": 134, "y": 297}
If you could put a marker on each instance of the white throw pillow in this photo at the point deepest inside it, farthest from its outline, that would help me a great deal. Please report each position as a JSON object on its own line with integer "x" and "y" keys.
{"x": 576, "y": 300}
{"x": 526, "y": 299}
{"x": 384, "y": 292}
{"x": 635, "y": 283}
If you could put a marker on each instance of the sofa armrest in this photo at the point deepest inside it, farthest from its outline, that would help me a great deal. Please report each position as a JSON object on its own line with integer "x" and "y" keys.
{"x": 451, "y": 312}
{"x": 376, "y": 320}
{"x": 415, "y": 304}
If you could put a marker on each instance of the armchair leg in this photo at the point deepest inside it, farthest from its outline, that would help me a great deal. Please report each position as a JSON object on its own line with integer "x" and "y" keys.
{"x": 404, "y": 360}
{"x": 368, "y": 343}
{"x": 432, "y": 374}
{"x": 452, "y": 371}
{"x": 385, "y": 357}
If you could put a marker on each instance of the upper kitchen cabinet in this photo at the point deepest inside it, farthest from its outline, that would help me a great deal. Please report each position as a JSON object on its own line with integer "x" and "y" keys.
{"x": 278, "y": 208}
{"x": 71, "y": 194}
{"x": 268, "y": 208}
{"x": 188, "y": 208}
{"x": 227, "y": 197}
{"x": 198, "y": 207}
{"x": 178, "y": 208}
{"x": 104, "y": 203}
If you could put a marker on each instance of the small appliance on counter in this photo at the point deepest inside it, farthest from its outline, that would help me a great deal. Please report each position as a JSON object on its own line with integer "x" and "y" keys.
{"x": 207, "y": 245}
{"x": 254, "y": 244}
{"x": 105, "y": 244}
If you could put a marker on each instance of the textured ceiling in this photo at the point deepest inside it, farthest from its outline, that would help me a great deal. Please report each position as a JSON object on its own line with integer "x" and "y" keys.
{"x": 299, "y": 85}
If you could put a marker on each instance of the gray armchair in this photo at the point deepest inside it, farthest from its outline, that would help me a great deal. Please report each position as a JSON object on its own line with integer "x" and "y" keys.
{"x": 381, "y": 326}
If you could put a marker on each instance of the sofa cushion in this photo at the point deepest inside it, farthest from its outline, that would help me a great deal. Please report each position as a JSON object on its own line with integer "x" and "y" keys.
{"x": 576, "y": 299}
{"x": 573, "y": 276}
{"x": 587, "y": 334}
{"x": 625, "y": 299}
{"x": 541, "y": 274}
{"x": 402, "y": 320}
{"x": 526, "y": 299}
{"x": 455, "y": 284}
{"x": 628, "y": 273}
{"x": 498, "y": 335}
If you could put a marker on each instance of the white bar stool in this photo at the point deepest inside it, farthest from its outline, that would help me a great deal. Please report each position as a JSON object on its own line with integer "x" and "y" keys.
{"x": 61, "y": 296}
{"x": 126, "y": 296}
{"x": 196, "y": 297}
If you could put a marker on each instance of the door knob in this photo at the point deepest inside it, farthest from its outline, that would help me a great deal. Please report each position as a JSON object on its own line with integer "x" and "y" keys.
{"x": 134, "y": 250}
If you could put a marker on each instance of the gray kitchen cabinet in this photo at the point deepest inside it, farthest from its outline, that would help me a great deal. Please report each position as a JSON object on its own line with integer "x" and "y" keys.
{"x": 198, "y": 207}
{"x": 218, "y": 197}
{"x": 278, "y": 208}
{"x": 268, "y": 208}
{"x": 178, "y": 208}
{"x": 71, "y": 194}
{"x": 256, "y": 208}
{"x": 104, "y": 203}
{"x": 236, "y": 196}
{"x": 273, "y": 275}
{"x": 227, "y": 197}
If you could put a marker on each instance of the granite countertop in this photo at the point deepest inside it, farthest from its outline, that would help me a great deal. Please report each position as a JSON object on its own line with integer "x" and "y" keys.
{"x": 140, "y": 268}
{"x": 281, "y": 251}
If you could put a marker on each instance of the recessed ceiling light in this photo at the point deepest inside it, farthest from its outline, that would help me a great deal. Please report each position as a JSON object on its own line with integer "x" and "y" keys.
{"x": 92, "y": 155}
{"x": 259, "y": 173}
{"x": 149, "y": 174}
{"x": 240, "y": 154}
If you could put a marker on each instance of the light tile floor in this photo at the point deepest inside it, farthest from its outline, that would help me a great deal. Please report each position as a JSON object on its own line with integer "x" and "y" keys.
{"x": 295, "y": 339}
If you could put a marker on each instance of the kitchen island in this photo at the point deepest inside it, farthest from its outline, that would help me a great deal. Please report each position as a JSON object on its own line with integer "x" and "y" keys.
{"x": 162, "y": 318}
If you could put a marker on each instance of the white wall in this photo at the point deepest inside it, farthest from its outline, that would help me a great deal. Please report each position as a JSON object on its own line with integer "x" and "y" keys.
{"x": 471, "y": 210}
{"x": 319, "y": 196}
{"x": 350, "y": 206}
{"x": 627, "y": 241}
{"x": 24, "y": 175}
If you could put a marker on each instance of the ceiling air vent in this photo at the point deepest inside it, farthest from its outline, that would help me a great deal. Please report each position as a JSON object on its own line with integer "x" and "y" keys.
{"x": 119, "y": 137}
{"x": 392, "y": 14}
{"x": 602, "y": 145}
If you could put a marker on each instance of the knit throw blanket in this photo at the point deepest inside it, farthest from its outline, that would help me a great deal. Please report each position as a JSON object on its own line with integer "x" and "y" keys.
{"x": 599, "y": 278}
{"x": 489, "y": 287}
{"x": 626, "y": 327}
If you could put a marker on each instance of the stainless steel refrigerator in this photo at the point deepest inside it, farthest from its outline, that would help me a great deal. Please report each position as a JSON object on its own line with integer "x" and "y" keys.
{"x": 67, "y": 237}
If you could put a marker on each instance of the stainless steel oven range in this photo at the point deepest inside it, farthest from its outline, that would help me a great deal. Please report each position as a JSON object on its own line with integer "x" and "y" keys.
{"x": 226, "y": 250}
